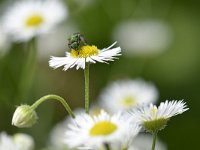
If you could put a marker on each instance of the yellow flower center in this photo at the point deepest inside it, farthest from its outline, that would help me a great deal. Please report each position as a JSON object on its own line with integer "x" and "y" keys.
{"x": 34, "y": 21}
{"x": 103, "y": 128}
{"x": 128, "y": 101}
{"x": 85, "y": 51}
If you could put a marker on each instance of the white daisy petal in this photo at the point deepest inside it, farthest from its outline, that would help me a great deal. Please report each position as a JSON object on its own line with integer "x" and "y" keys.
{"x": 109, "y": 46}
{"x": 56, "y": 62}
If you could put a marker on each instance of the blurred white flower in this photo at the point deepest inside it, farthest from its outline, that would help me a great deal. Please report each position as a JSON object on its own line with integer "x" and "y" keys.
{"x": 126, "y": 94}
{"x": 143, "y": 37}
{"x": 144, "y": 142}
{"x": 154, "y": 118}
{"x": 95, "y": 131}
{"x": 57, "y": 135}
{"x": 23, "y": 141}
{"x": 55, "y": 42}
{"x": 28, "y": 18}
{"x": 6, "y": 142}
{"x": 17, "y": 142}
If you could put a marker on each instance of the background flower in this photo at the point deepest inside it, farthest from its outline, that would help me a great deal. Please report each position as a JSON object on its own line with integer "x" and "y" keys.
{"x": 95, "y": 131}
{"x": 126, "y": 94}
{"x": 18, "y": 141}
{"x": 27, "y": 19}
{"x": 145, "y": 37}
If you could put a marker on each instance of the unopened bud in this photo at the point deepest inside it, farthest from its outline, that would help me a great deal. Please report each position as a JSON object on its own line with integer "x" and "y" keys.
{"x": 24, "y": 116}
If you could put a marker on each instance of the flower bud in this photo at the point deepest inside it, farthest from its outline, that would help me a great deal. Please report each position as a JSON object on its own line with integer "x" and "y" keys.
{"x": 24, "y": 116}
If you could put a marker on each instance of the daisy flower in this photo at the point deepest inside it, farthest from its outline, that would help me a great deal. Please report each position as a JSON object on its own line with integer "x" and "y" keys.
{"x": 57, "y": 137}
{"x": 155, "y": 118}
{"x": 23, "y": 141}
{"x": 126, "y": 94}
{"x": 28, "y": 18}
{"x": 85, "y": 54}
{"x": 6, "y": 142}
{"x": 129, "y": 136}
{"x": 145, "y": 37}
{"x": 97, "y": 131}
{"x": 18, "y": 141}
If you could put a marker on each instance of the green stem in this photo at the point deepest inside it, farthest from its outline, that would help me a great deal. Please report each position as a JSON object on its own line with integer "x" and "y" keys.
{"x": 28, "y": 70}
{"x": 107, "y": 146}
{"x": 154, "y": 140}
{"x": 55, "y": 97}
{"x": 86, "y": 73}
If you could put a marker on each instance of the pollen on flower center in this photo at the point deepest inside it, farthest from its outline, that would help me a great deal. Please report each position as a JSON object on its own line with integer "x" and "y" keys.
{"x": 34, "y": 20}
{"x": 85, "y": 51}
{"x": 103, "y": 128}
{"x": 128, "y": 101}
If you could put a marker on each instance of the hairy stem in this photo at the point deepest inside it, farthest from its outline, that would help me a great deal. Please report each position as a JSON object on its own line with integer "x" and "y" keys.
{"x": 154, "y": 140}
{"x": 86, "y": 73}
{"x": 54, "y": 97}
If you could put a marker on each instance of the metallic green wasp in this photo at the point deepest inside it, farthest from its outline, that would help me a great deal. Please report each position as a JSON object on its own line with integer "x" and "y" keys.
{"x": 76, "y": 40}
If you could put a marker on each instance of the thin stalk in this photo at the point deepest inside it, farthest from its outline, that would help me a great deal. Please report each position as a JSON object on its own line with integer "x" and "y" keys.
{"x": 107, "y": 146}
{"x": 54, "y": 97}
{"x": 86, "y": 73}
{"x": 154, "y": 140}
{"x": 28, "y": 70}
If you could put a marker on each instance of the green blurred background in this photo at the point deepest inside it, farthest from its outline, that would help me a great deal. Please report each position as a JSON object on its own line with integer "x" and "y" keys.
{"x": 174, "y": 71}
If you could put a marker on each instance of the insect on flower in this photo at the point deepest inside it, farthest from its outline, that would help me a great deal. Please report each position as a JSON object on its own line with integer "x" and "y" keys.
{"x": 81, "y": 53}
{"x": 76, "y": 40}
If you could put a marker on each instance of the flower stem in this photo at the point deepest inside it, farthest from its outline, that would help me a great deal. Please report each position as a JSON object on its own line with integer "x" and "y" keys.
{"x": 86, "y": 73}
{"x": 28, "y": 70}
{"x": 55, "y": 97}
{"x": 154, "y": 140}
{"x": 107, "y": 146}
